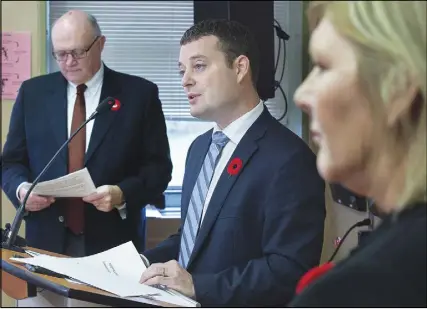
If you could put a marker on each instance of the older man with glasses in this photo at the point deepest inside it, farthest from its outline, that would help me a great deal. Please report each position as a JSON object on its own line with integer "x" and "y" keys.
{"x": 126, "y": 152}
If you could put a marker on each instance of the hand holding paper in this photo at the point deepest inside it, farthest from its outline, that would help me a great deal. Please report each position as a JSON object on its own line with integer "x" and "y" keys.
{"x": 35, "y": 202}
{"x": 105, "y": 198}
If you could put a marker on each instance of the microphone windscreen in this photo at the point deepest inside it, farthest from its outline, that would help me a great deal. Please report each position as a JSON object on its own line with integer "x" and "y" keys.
{"x": 107, "y": 104}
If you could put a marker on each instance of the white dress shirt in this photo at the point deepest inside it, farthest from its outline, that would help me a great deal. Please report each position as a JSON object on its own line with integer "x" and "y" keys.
{"x": 235, "y": 132}
{"x": 92, "y": 96}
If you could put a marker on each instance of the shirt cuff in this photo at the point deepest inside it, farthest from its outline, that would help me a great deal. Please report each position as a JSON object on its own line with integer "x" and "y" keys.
{"x": 145, "y": 260}
{"x": 19, "y": 188}
{"x": 122, "y": 211}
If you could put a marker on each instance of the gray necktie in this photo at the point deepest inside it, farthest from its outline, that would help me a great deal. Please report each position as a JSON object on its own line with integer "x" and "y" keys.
{"x": 197, "y": 201}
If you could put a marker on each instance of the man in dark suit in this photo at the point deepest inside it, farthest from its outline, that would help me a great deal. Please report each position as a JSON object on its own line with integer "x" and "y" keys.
{"x": 252, "y": 201}
{"x": 125, "y": 151}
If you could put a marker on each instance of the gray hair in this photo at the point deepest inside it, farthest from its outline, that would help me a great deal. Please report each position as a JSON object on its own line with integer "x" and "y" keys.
{"x": 94, "y": 23}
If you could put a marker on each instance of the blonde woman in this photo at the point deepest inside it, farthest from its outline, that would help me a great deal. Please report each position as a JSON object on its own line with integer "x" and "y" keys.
{"x": 366, "y": 97}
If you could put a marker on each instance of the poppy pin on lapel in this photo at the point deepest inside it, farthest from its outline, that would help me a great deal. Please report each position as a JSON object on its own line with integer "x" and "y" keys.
{"x": 116, "y": 105}
{"x": 234, "y": 166}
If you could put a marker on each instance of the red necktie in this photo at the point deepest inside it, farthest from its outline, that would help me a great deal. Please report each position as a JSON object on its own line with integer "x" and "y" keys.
{"x": 74, "y": 215}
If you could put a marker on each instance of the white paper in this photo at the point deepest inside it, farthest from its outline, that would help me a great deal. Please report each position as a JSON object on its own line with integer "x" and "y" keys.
{"x": 75, "y": 281}
{"x": 32, "y": 253}
{"x": 152, "y": 212}
{"x": 117, "y": 271}
{"x": 123, "y": 261}
{"x": 77, "y": 184}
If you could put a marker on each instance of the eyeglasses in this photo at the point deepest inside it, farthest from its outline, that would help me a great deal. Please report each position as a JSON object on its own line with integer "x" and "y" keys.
{"x": 62, "y": 55}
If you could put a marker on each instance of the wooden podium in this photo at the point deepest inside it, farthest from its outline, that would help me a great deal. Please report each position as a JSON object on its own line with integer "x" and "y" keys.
{"x": 26, "y": 287}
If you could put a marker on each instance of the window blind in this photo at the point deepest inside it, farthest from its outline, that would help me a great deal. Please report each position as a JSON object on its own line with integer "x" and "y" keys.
{"x": 143, "y": 40}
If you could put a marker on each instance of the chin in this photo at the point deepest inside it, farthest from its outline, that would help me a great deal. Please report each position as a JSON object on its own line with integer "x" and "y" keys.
{"x": 342, "y": 172}
{"x": 194, "y": 113}
{"x": 73, "y": 79}
{"x": 198, "y": 113}
{"x": 328, "y": 170}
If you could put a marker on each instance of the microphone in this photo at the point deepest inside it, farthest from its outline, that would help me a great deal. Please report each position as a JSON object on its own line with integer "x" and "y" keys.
{"x": 9, "y": 235}
{"x": 364, "y": 222}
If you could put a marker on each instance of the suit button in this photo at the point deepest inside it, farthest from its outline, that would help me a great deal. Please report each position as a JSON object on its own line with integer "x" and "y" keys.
{"x": 61, "y": 219}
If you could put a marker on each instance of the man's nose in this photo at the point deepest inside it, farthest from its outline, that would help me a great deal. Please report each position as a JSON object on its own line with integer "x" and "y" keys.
{"x": 187, "y": 80}
{"x": 69, "y": 60}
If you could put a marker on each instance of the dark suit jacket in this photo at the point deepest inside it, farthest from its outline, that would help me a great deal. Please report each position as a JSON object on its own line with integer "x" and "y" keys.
{"x": 128, "y": 148}
{"x": 387, "y": 270}
{"x": 263, "y": 227}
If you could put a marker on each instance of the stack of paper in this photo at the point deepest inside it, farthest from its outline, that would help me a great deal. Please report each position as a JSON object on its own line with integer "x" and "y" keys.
{"x": 117, "y": 271}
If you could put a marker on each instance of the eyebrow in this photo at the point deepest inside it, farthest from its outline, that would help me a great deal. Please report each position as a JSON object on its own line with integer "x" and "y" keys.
{"x": 195, "y": 57}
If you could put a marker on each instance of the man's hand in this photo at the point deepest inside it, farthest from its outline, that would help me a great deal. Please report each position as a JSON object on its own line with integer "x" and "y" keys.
{"x": 172, "y": 275}
{"x": 35, "y": 202}
{"x": 105, "y": 198}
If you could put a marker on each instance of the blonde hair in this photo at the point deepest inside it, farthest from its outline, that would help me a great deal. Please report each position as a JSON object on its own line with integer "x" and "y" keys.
{"x": 389, "y": 39}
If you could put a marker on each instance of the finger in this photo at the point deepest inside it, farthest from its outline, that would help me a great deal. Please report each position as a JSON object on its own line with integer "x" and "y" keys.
{"x": 103, "y": 208}
{"x": 32, "y": 207}
{"x": 173, "y": 268}
{"x": 50, "y": 199}
{"x": 37, "y": 199}
{"x": 40, "y": 202}
{"x": 36, "y": 207}
{"x": 160, "y": 281}
{"x": 107, "y": 208}
{"x": 172, "y": 263}
{"x": 153, "y": 281}
{"x": 94, "y": 197}
{"x": 154, "y": 270}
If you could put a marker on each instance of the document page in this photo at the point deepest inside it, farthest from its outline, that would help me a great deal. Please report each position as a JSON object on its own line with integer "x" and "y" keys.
{"x": 77, "y": 184}
{"x": 123, "y": 261}
{"x": 117, "y": 271}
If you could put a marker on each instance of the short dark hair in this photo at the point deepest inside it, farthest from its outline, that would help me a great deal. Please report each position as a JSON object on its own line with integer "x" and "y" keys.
{"x": 234, "y": 39}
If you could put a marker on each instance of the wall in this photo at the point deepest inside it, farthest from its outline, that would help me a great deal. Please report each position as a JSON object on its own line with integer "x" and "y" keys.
{"x": 21, "y": 16}
{"x": 160, "y": 229}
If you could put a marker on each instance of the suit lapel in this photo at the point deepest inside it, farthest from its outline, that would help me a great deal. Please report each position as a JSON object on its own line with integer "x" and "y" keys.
{"x": 57, "y": 112}
{"x": 244, "y": 150}
{"x": 103, "y": 121}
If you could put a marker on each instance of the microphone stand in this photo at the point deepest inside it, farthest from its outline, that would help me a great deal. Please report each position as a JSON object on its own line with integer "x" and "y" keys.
{"x": 11, "y": 232}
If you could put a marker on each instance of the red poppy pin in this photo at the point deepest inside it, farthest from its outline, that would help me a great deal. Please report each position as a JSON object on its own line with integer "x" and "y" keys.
{"x": 312, "y": 275}
{"x": 116, "y": 105}
{"x": 234, "y": 166}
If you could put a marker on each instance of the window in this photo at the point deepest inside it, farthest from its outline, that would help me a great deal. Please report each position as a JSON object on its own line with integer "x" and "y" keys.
{"x": 143, "y": 39}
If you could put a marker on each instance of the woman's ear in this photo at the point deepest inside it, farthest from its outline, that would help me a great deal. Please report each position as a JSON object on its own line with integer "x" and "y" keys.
{"x": 403, "y": 104}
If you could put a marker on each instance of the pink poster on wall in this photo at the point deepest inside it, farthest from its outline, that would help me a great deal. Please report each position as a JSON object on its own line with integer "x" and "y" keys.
{"x": 15, "y": 62}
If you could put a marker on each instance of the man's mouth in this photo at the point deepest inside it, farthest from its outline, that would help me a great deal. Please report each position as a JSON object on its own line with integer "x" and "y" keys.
{"x": 192, "y": 98}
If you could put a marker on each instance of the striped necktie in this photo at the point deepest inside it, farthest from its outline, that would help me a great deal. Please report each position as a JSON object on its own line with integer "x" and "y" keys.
{"x": 195, "y": 207}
